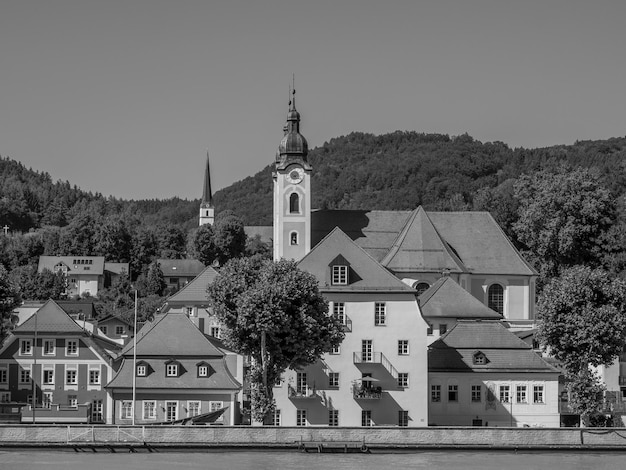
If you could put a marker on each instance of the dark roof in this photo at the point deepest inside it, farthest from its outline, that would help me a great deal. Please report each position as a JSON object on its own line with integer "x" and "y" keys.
{"x": 468, "y": 241}
{"x": 117, "y": 268}
{"x": 195, "y": 290}
{"x": 504, "y": 351}
{"x": 446, "y": 298}
{"x": 181, "y": 267}
{"x": 365, "y": 273}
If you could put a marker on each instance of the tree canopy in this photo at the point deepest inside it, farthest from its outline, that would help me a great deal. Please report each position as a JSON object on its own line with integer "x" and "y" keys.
{"x": 9, "y": 299}
{"x": 273, "y": 312}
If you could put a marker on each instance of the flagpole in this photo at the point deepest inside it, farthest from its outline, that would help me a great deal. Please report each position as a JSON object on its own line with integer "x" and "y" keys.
{"x": 135, "y": 359}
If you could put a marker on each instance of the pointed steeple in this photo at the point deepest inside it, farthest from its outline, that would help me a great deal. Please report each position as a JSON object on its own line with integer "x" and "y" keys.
{"x": 207, "y": 195}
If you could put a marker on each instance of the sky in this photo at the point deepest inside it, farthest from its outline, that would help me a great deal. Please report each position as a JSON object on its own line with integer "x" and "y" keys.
{"x": 125, "y": 97}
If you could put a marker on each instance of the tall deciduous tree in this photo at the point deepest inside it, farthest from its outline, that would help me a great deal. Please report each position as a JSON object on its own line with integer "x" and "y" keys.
{"x": 275, "y": 313}
{"x": 230, "y": 237}
{"x": 203, "y": 244}
{"x": 563, "y": 218}
{"x": 582, "y": 323}
{"x": 9, "y": 299}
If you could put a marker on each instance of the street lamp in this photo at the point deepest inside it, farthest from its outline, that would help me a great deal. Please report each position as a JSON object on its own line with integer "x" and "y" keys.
{"x": 135, "y": 359}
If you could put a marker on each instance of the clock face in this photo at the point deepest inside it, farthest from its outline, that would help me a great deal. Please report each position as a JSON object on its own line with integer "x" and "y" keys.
{"x": 295, "y": 175}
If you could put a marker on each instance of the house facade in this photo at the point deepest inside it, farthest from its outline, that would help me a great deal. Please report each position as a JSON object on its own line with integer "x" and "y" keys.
{"x": 481, "y": 374}
{"x": 64, "y": 366}
{"x": 177, "y": 376}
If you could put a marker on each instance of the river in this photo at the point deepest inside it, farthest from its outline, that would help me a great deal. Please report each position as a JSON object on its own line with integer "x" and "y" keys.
{"x": 292, "y": 460}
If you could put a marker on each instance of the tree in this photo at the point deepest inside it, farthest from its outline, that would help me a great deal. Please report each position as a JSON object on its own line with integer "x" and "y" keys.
{"x": 582, "y": 323}
{"x": 203, "y": 244}
{"x": 273, "y": 312}
{"x": 230, "y": 237}
{"x": 172, "y": 242}
{"x": 155, "y": 280}
{"x": 563, "y": 218}
{"x": 9, "y": 299}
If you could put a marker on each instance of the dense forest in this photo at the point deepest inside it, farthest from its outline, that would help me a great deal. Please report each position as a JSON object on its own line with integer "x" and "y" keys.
{"x": 561, "y": 205}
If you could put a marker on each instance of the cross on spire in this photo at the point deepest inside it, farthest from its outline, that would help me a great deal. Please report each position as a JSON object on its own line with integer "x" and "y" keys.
{"x": 6, "y": 229}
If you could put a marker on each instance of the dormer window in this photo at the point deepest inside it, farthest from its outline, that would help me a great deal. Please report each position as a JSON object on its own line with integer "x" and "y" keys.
{"x": 172, "y": 369}
{"x": 141, "y": 370}
{"x": 203, "y": 369}
{"x": 339, "y": 275}
{"x": 480, "y": 359}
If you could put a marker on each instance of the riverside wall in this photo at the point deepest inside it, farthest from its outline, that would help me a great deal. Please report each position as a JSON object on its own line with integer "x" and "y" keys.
{"x": 207, "y": 437}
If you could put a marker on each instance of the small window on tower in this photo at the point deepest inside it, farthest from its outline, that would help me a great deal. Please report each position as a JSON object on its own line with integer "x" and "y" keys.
{"x": 294, "y": 203}
{"x": 293, "y": 238}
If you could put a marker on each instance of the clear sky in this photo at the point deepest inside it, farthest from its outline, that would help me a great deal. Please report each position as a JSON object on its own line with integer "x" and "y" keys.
{"x": 124, "y": 97}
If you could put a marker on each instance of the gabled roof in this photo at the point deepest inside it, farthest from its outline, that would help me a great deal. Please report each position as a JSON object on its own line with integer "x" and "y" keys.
{"x": 471, "y": 240}
{"x": 117, "y": 268}
{"x": 76, "y": 264}
{"x": 366, "y": 274}
{"x": 180, "y": 267}
{"x": 172, "y": 335}
{"x": 195, "y": 290}
{"x": 50, "y": 318}
{"x": 504, "y": 351}
{"x": 419, "y": 247}
{"x": 446, "y": 298}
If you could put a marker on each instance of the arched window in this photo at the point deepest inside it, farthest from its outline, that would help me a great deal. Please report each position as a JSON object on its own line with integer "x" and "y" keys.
{"x": 495, "y": 298}
{"x": 294, "y": 203}
{"x": 421, "y": 287}
{"x": 293, "y": 238}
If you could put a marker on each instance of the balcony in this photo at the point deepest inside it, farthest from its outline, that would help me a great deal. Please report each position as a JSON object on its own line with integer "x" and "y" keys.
{"x": 375, "y": 358}
{"x": 301, "y": 393}
{"x": 361, "y": 392}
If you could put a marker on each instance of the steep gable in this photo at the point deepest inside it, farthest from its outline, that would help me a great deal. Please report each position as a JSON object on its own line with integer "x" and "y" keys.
{"x": 446, "y": 298}
{"x": 195, "y": 290}
{"x": 366, "y": 274}
{"x": 50, "y": 318}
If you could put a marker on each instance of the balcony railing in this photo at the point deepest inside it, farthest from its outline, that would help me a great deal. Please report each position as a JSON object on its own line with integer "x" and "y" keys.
{"x": 366, "y": 393}
{"x": 375, "y": 358}
{"x": 307, "y": 392}
{"x": 54, "y": 413}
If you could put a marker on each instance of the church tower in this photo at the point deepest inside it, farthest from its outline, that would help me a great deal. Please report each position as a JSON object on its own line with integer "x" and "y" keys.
{"x": 207, "y": 211}
{"x": 292, "y": 191}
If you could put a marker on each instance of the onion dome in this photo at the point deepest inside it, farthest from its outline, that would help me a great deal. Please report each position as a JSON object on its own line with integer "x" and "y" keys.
{"x": 293, "y": 145}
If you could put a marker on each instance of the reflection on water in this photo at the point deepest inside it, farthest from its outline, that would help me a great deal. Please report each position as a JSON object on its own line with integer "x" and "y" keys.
{"x": 240, "y": 460}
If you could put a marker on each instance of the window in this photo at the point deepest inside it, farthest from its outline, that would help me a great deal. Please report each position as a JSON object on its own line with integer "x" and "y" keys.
{"x": 339, "y": 275}
{"x": 189, "y": 311}
{"x": 214, "y": 406}
{"x": 333, "y": 379}
{"x": 453, "y": 393}
{"x": 275, "y": 418}
{"x": 71, "y": 377}
{"x": 104, "y": 329}
{"x": 480, "y": 359}
{"x": 443, "y": 329}
{"x": 403, "y": 347}
{"x": 141, "y": 370}
{"x": 294, "y": 203}
{"x": 505, "y": 393}
{"x": 47, "y": 399}
{"x": 214, "y": 331}
{"x": 171, "y": 410}
{"x": 495, "y": 298}
{"x": 435, "y": 393}
{"x": 300, "y": 417}
{"x": 94, "y": 377}
{"x": 96, "y": 411}
{"x": 48, "y": 377}
{"x": 520, "y": 393}
{"x": 25, "y": 376}
{"x": 171, "y": 370}
{"x": 301, "y": 383}
{"x": 293, "y": 238}
{"x": 333, "y": 417}
{"x": 538, "y": 394}
{"x": 477, "y": 391}
{"x": 26, "y": 347}
{"x": 366, "y": 418}
{"x": 193, "y": 408}
{"x": 119, "y": 330}
{"x": 336, "y": 350}
{"x": 429, "y": 330}
{"x": 71, "y": 347}
{"x": 48, "y": 347}
{"x": 278, "y": 382}
{"x": 4, "y": 375}
{"x": 126, "y": 411}
{"x": 203, "y": 370}
{"x": 422, "y": 287}
{"x": 5, "y": 397}
{"x": 72, "y": 401}
{"x": 403, "y": 418}
{"x": 380, "y": 314}
{"x": 149, "y": 409}
{"x": 403, "y": 379}
{"x": 339, "y": 312}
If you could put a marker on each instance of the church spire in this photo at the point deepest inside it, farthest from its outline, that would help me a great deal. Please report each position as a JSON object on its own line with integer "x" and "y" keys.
{"x": 207, "y": 211}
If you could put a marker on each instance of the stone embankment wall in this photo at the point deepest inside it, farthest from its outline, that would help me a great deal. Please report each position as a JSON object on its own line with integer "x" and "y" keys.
{"x": 277, "y": 437}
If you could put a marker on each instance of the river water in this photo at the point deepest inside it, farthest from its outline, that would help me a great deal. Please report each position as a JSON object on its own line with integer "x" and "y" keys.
{"x": 293, "y": 460}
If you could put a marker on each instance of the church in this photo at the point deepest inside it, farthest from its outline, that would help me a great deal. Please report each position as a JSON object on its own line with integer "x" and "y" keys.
{"x": 377, "y": 268}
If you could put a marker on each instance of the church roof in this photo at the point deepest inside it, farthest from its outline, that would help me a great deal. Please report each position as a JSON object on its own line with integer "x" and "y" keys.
{"x": 503, "y": 350}
{"x": 365, "y": 273}
{"x": 207, "y": 194}
{"x": 446, "y": 298}
{"x": 468, "y": 241}
{"x": 195, "y": 290}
